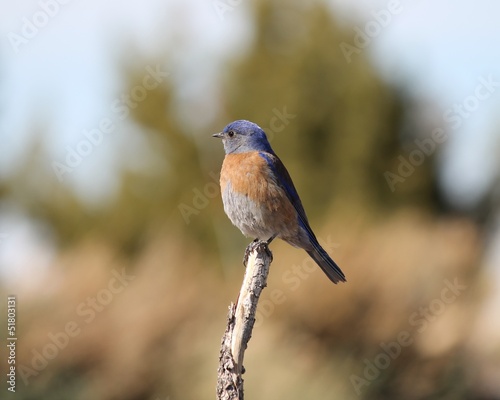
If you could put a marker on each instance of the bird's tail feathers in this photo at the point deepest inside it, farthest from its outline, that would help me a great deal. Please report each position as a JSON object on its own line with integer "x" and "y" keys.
{"x": 329, "y": 267}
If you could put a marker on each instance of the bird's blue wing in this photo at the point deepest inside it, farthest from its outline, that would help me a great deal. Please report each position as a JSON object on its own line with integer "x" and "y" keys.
{"x": 319, "y": 255}
{"x": 285, "y": 181}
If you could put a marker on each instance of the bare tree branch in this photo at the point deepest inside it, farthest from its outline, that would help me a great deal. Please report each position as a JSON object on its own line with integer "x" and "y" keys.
{"x": 240, "y": 320}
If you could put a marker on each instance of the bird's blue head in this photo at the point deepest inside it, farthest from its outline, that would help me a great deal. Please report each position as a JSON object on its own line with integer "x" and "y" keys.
{"x": 243, "y": 136}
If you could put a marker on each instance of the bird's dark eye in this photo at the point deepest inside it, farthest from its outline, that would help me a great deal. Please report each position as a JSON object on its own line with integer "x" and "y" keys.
{"x": 230, "y": 134}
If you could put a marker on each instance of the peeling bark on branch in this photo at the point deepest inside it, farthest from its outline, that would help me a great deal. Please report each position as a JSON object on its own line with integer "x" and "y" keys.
{"x": 240, "y": 321}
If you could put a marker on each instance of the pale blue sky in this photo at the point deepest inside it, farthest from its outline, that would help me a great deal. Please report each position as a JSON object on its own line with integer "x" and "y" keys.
{"x": 66, "y": 75}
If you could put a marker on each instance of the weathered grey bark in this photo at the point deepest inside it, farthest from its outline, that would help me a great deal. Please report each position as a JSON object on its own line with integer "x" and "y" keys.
{"x": 240, "y": 320}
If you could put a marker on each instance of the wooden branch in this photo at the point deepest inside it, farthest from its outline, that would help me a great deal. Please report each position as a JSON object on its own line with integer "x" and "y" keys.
{"x": 240, "y": 321}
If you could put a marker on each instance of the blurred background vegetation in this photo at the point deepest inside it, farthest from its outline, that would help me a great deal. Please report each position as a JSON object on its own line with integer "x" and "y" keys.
{"x": 338, "y": 127}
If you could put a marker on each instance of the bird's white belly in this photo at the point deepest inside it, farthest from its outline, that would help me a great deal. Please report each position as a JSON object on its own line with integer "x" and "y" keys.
{"x": 253, "y": 220}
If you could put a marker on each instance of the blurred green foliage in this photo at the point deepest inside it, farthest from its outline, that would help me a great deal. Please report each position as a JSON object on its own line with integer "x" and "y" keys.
{"x": 335, "y": 124}
{"x": 345, "y": 132}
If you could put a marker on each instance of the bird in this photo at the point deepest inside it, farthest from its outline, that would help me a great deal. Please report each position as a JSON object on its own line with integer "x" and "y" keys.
{"x": 260, "y": 198}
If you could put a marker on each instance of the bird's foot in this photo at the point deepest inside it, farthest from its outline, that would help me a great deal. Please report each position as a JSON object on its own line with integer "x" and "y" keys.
{"x": 268, "y": 241}
{"x": 248, "y": 250}
{"x": 256, "y": 244}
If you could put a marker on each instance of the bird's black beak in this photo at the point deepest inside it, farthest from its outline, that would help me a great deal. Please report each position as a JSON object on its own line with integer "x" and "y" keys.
{"x": 218, "y": 135}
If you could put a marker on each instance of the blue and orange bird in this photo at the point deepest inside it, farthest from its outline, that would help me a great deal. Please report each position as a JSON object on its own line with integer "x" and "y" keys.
{"x": 259, "y": 196}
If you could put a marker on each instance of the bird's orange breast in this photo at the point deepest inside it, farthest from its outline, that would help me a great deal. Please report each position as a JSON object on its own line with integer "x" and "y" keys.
{"x": 250, "y": 176}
